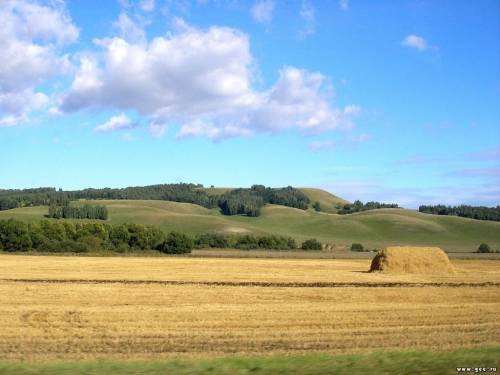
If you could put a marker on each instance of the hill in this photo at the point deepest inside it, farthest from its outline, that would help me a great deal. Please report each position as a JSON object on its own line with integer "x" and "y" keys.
{"x": 327, "y": 200}
{"x": 376, "y": 228}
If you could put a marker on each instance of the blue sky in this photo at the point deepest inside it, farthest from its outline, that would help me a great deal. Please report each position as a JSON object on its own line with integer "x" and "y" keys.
{"x": 389, "y": 101}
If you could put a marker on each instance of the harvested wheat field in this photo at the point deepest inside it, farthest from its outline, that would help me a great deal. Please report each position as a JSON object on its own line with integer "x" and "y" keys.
{"x": 412, "y": 259}
{"x": 142, "y": 308}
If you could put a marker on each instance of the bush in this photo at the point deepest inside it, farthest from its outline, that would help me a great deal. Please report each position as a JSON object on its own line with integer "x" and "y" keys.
{"x": 311, "y": 244}
{"x": 357, "y": 247}
{"x": 176, "y": 243}
{"x": 247, "y": 242}
{"x": 276, "y": 243}
{"x": 211, "y": 240}
{"x": 484, "y": 248}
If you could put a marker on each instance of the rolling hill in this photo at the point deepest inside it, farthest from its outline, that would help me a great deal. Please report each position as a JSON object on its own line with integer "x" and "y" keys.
{"x": 376, "y": 228}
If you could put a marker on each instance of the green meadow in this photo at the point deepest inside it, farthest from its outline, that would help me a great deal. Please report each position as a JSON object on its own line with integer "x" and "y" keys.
{"x": 374, "y": 229}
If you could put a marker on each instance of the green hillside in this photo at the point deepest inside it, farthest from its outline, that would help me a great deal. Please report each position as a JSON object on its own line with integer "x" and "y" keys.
{"x": 376, "y": 228}
{"x": 327, "y": 200}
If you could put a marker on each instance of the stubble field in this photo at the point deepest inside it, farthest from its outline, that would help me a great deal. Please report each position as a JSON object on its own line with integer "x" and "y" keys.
{"x": 73, "y": 308}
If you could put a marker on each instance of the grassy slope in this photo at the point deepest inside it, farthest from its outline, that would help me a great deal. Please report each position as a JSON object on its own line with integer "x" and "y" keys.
{"x": 372, "y": 363}
{"x": 375, "y": 228}
{"x": 327, "y": 200}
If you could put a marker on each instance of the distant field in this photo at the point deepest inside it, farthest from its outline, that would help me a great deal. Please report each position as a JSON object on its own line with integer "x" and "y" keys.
{"x": 75, "y": 308}
{"x": 374, "y": 229}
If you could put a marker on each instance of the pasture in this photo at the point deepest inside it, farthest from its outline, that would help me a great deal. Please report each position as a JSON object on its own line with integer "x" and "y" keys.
{"x": 374, "y": 229}
{"x": 84, "y": 308}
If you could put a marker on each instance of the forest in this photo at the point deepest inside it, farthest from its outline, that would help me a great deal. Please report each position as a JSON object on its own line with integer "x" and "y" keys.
{"x": 473, "y": 212}
{"x": 85, "y": 211}
{"x": 235, "y": 202}
{"x": 358, "y": 206}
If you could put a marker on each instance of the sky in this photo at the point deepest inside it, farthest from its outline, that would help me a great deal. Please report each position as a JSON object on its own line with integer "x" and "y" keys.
{"x": 394, "y": 101}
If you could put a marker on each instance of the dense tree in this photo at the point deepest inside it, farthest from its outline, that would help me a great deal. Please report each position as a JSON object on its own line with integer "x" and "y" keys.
{"x": 357, "y": 247}
{"x": 14, "y": 236}
{"x": 483, "y": 248}
{"x": 67, "y": 236}
{"x": 236, "y": 202}
{"x": 311, "y": 244}
{"x": 85, "y": 211}
{"x": 473, "y": 212}
{"x": 317, "y": 206}
{"x": 358, "y": 206}
{"x": 176, "y": 243}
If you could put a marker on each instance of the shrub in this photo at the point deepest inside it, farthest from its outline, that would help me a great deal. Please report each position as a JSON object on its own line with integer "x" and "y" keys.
{"x": 311, "y": 244}
{"x": 276, "y": 242}
{"x": 317, "y": 206}
{"x": 176, "y": 243}
{"x": 357, "y": 247}
{"x": 211, "y": 240}
{"x": 484, "y": 248}
{"x": 247, "y": 242}
{"x": 73, "y": 246}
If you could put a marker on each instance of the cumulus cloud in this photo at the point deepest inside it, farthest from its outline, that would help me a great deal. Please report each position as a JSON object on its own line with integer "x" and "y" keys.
{"x": 416, "y": 42}
{"x": 344, "y": 4}
{"x": 120, "y": 122}
{"x": 128, "y": 29}
{"x": 202, "y": 80}
{"x": 31, "y": 36}
{"x": 262, "y": 11}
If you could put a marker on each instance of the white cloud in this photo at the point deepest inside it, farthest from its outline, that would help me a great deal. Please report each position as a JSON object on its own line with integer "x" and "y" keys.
{"x": 308, "y": 14}
{"x": 11, "y": 120}
{"x": 157, "y": 130}
{"x": 262, "y": 11}
{"x": 416, "y": 42}
{"x": 129, "y": 30}
{"x": 199, "y": 128}
{"x": 344, "y": 4}
{"x": 31, "y": 36}
{"x": 202, "y": 80}
{"x": 120, "y": 122}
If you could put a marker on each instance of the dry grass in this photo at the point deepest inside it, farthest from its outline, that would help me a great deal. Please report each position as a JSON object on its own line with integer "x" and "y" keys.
{"x": 412, "y": 259}
{"x": 82, "y": 320}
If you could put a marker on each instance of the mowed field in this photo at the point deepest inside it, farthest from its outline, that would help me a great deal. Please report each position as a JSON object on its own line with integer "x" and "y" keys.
{"x": 75, "y": 308}
{"x": 374, "y": 229}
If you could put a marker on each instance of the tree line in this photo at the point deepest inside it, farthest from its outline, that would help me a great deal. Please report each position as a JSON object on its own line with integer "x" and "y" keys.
{"x": 85, "y": 211}
{"x": 250, "y": 201}
{"x": 358, "y": 206}
{"x": 473, "y": 212}
{"x": 65, "y": 236}
{"x": 235, "y": 202}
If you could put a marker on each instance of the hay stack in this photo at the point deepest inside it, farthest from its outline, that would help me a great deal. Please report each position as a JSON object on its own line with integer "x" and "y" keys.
{"x": 411, "y": 259}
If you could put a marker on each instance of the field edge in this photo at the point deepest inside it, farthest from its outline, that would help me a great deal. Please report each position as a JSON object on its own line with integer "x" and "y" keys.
{"x": 414, "y": 362}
